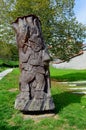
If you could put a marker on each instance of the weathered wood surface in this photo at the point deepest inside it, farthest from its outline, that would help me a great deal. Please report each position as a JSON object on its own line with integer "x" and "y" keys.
{"x": 34, "y": 83}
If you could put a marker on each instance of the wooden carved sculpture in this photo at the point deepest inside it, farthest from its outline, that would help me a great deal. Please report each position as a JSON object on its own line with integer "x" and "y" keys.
{"x": 34, "y": 83}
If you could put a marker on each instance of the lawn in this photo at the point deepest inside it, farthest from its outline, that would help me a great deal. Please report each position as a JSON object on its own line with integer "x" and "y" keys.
{"x": 9, "y": 63}
{"x": 67, "y": 74}
{"x": 70, "y": 111}
{"x": 4, "y": 64}
{"x": 2, "y": 69}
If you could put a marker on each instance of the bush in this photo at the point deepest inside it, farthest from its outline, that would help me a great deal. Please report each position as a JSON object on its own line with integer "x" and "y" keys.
{"x": 9, "y": 63}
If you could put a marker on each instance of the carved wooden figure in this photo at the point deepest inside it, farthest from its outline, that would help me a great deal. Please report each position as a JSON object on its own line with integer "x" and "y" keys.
{"x": 34, "y": 83}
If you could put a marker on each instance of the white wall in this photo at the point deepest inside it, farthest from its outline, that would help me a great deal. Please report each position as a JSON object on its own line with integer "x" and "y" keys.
{"x": 78, "y": 62}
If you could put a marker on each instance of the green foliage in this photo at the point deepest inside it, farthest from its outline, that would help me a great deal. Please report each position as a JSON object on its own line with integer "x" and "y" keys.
{"x": 41, "y": 9}
{"x": 14, "y": 52}
{"x": 61, "y": 31}
{"x": 68, "y": 33}
{"x": 70, "y": 111}
{"x": 6, "y": 34}
{"x": 8, "y": 51}
{"x": 4, "y": 50}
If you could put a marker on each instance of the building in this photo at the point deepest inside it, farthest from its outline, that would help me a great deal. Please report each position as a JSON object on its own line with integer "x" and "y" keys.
{"x": 77, "y": 62}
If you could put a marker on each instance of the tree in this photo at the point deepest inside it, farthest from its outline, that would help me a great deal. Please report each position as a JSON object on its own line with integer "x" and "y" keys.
{"x": 14, "y": 52}
{"x": 68, "y": 34}
{"x": 41, "y": 8}
{"x": 61, "y": 31}
{"x": 7, "y": 49}
{"x": 4, "y": 51}
{"x": 6, "y": 32}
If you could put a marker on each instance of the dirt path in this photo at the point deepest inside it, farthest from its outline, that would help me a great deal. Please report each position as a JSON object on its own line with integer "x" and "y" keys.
{"x": 5, "y": 72}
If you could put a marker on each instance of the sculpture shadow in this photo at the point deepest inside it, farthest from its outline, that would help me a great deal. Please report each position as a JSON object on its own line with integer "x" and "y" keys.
{"x": 61, "y": 101}
{"x": 64, "y": 99}
{"x": 38, "y": 112}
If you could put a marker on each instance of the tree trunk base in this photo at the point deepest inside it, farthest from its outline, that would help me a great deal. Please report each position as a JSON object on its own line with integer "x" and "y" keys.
{"x": 23, "y": 103}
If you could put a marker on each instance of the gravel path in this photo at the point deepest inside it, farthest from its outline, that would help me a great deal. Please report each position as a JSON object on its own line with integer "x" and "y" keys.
{"x": 79, "y": 83}
{"x": 5, "y": 72}
{"x": 77, "y": 87}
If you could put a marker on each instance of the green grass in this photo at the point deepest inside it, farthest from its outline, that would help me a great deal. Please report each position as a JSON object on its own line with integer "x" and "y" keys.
{"x": 8, "y": 63}
{"x": 11, "y": 63}
{"x": 1, "y": 62}
{"x": 2, "y": 69}
{"x": 70, "y": 108}
{"x": 67, "y": 74}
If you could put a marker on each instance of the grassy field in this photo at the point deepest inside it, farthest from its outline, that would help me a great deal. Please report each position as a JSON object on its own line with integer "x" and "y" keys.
{"x": 67, "y": 74}
{"x": 4, "y": 64}
{"x": 9, "y": 63}
{"x": 70, "y": 111}
{"x": 2, "y": 69}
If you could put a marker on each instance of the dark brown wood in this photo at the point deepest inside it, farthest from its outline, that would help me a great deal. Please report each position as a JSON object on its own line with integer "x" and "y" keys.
{"x": 34, "y": 83}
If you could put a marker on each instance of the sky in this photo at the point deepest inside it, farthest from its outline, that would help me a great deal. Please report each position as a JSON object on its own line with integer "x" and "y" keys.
{"x": 80, "y": 10}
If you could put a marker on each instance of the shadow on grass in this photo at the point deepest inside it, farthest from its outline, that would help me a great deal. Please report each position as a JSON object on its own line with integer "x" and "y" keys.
{"x": 70, "y": 77}
{"x": 64, "y": 99}
{"x": 9, "y": 65}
